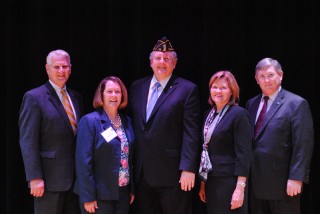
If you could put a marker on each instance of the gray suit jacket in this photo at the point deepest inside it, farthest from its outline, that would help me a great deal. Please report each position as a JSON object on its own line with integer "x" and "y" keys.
{"x": 46, "y": 137}
{"x": 283, "y": 148}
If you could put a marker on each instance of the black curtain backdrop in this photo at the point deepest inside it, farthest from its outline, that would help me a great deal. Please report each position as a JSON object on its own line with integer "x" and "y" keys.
{"x": 116, "y": 37}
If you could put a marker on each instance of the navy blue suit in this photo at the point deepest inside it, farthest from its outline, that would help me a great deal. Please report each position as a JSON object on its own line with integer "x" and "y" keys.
{"x": 46, "y": 137}
{"x": 98, "y": 161}
{"x": 283, "y": 148}
{"x": 169, "y": 141}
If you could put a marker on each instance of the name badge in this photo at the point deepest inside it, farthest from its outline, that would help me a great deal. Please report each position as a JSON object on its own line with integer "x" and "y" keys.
{"x": 109, "y": 134}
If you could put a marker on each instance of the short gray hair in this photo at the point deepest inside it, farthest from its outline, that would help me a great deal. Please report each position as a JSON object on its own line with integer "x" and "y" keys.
{"x": 58, "y": 52}
{"x": 267, "y": 62}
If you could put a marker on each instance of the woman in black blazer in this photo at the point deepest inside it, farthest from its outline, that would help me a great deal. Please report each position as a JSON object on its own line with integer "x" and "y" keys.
{"x": 103, "y": 154}
{"x": 225, "y": 160}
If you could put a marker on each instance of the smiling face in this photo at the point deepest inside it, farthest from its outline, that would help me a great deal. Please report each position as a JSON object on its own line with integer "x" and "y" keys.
{"x": 162, "y": 64}
{"x": 59, "y": 70}
{"x": 269, "y": 80}
{"x": 220, "y": 93}
{"x": 112, "y": 95}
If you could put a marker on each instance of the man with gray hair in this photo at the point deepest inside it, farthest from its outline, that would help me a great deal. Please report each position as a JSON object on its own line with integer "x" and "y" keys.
{"x": 48, "y": 122}
{"x": 282, "y": 145}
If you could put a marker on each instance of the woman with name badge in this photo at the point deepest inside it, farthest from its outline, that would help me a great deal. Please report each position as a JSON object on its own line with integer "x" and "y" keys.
{"x": 103, "y": 152}
{"x": 226, "y": 155}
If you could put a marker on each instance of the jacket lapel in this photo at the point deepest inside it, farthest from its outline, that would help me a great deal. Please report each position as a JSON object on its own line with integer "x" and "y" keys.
{"x": 144, "y": 94}
{"x": 75, "y": 103}
{"x": 254, "y": 110}
{"x": 54, "y": 99}
{"x": 126, "y": 128}
{"x": 104, "y": 121}
{"x": 170, "y": 87}
{"x": 273, "y": 109}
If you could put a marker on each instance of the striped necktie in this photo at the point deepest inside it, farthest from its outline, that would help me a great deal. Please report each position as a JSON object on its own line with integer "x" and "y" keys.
{"x": 67, "y": 106}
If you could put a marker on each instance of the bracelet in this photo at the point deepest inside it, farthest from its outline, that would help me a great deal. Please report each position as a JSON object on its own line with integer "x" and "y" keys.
{"x": 243, "y": 184}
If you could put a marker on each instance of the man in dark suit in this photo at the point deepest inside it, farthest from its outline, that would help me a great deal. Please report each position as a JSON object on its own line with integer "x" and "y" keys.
{"x": 282, "y": 146}
{"x": 47, "y": 137}
{"x": 168, "y": 141}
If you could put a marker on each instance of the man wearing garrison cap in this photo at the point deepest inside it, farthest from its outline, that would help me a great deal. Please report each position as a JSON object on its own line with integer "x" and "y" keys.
{"x": 167, "y": 135}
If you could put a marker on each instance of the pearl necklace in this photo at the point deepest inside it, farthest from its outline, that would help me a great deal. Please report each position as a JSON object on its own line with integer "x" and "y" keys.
{"x": 115, "y": 125}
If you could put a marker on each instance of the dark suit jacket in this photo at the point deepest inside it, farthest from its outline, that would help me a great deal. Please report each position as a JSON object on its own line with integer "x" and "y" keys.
{"x": 230, "y": 144}
{"x": 98, "y": 161}
{"x": 46, "y": 137}
{"x": 283, "y": 148}
{"x": 169, "y": 142}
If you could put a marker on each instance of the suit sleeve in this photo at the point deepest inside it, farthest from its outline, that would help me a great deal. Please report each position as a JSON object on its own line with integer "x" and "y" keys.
{"x": 84, "y": 159}
{"x": 243, "y": 142}
{"x": 29, "y": 127}
{"x": 191, "y": 132}
{"x": 302, "y": 142}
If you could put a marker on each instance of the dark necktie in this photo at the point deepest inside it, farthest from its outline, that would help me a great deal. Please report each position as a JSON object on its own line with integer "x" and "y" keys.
{"x": 261, "y": 116}
{"x": 67, "y": 106}
{"x": 153, "y": 99}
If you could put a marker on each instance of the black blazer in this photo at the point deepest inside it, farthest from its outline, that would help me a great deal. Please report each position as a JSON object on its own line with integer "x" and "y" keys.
{"x": 98, "y": 161}
{"x": 170, "y": 141}
{"x": 230, "y": 144}
{"x": 46, "y": 137}
{"x": 283, "y": 148}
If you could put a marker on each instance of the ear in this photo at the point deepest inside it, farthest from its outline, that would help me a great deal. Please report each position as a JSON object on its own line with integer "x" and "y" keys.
{"x": 257, "y": 79}
{"x": 175, "y": 63}
{"x": 47, "y": 67}
{"x": 281, "y": 75}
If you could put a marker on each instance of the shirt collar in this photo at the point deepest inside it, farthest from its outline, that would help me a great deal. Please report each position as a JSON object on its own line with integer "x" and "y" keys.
{"x": 57, "y": 88}
{"x": 163, "y": 82}
{"x": 273, "y": 96}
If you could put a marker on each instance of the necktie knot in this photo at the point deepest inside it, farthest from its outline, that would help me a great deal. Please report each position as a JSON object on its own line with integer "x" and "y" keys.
{"x": 156, "y": 86}
{"x": 63, "y": 92}
{"x": 266, "y": 98}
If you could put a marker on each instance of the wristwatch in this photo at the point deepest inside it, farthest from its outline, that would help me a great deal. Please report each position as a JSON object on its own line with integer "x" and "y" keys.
{"x": 243, "y": 184}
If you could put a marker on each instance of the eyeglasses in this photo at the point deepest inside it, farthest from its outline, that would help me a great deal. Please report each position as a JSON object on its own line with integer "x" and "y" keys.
{"x": 269, "y": 77}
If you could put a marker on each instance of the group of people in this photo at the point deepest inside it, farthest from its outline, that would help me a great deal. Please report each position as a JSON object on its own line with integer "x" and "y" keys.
{"x": 148, "y": 146}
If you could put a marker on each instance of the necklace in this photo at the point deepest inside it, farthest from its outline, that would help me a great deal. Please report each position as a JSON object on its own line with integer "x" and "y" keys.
{"x": 115, "y": 125}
